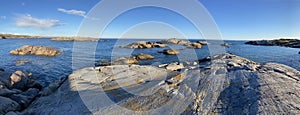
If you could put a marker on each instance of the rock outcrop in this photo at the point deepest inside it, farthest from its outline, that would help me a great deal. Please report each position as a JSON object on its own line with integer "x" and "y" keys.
{"x": 163, "y": 43}
{"x": 170, "y": 52}
{"x": 22, "y": 62}
{"x": 221, "y": 84}
{"x": 129, "y": 60}
{"x": 17, "y": 91}
{"x": 36, "y": 50}
{"x": 144, "y": 44}
{"x": 294, "y": 43}
{"x": 225, "y": 45}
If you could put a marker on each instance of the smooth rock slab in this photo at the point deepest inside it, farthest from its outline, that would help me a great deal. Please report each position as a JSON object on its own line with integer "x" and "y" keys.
{"x": 7, "y": 105}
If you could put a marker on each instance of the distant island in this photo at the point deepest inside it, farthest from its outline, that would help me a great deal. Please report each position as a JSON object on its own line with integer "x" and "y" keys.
{"x": 9, "y": 36}
{"x": 293, "y": 43}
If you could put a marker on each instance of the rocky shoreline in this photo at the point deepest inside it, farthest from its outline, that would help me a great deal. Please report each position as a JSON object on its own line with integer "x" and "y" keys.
{"x": 293, "y": 43}
{"x": 228, "y": 84}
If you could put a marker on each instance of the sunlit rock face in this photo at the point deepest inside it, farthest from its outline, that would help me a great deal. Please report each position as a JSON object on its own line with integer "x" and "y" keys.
{"x": 222, "y": 84}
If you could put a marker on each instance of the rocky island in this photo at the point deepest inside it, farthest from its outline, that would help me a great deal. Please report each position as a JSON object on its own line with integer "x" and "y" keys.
{"x": 36, "y": 50}
{"x": 293, "y": 43}
{"x": 164, "y": 43}
{"x": 227, "y": 84}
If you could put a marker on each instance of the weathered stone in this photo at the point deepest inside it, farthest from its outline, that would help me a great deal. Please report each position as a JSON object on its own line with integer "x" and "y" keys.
{"x": 196, "y": 45}
{"x": 6, "y": 92}
{"x": 143, "y": 56}
{"x": 125, "y": 61}
{"x": 175, "y": 66}
{"x": 25, "y": 98}
{"x": 203, "y": 42}
{"x": 20, "y": 80}
{"x": 171, "y": 52}
{"x": 267, "y": 89}
{"x": 7, "y": 105}
{"x": 22, "y": 62}
{"x": 225, "y": 45}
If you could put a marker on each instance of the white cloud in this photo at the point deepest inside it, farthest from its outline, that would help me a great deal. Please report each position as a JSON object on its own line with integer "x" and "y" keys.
{"x": 2, "y": 17}
{"x": 73, "y": 12}
{"x": 29, "y": 21}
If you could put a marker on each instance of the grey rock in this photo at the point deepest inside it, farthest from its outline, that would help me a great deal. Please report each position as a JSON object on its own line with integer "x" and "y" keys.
{"x": 22, "y": 62}
{"x": 171, "y": 52}
{"x": 7, "y": 105}
{"x": 220, "y": 88}
{"x": 25, "y": 98}
{"x": 174, "y": 66}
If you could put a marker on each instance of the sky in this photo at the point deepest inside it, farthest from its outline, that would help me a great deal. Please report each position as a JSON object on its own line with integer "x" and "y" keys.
{"x": 235, "y": 19}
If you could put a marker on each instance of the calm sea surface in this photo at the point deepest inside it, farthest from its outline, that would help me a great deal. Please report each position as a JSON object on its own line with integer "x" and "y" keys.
{"x": 49, "y": 69}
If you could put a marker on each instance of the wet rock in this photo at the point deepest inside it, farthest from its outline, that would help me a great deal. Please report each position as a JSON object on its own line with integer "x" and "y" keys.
{"x": 36, "y": 50}
{"x": 171, "y": 52}
{"x": 125, "y": 61}
{"x": 22, "y": 62}
{"x": 196, "y": 45}
{"x": 225, "y": 45}
{"x": 25, "y": 98}
{"x": 7, "y": 105}
{"x": 159, "y": 45}
{"x": 6, "y": 92}
{"x": 1, "y": 70}
{"x": 52, "y": 87}
{"x": 143, "y": 56}
{"x": 203, "y": 42}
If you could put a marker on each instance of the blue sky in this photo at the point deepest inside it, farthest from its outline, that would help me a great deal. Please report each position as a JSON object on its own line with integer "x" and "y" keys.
{"x": 236, "y": 19}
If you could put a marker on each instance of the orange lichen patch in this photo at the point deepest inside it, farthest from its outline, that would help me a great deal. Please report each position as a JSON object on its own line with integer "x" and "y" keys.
{"x": 139, "y": 81}
{"x": 161, "y": 92}
{"x": 178, "y": 77}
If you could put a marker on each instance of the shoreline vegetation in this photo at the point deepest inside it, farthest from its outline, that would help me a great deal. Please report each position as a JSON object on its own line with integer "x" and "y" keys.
{"x": 234, "y": 84}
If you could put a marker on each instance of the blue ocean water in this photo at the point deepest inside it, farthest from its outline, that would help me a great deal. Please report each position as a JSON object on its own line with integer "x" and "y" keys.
{"x": 49, "y": 69}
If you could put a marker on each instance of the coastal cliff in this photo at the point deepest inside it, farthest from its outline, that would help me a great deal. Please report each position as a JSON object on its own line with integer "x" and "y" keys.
{"x": 225, "y": 84}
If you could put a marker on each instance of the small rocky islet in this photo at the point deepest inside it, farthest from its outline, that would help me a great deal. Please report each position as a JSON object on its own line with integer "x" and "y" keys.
{"x": 227, "y": 84}
{"x": 36, "y": 50}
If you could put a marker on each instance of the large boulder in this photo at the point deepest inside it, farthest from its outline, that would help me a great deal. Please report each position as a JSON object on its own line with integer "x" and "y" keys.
{"x": 20, "y": 80}
{"x": 196, "y": 45}
{"x": 7, "y": 105}
{"x": 171, "y": 52}
{"x": 36, "y": 50}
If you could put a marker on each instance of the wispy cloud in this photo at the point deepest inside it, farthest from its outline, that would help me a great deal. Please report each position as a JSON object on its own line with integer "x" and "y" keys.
{"x": 29, "y": 21}
{"x": 2, "y": 17}
{"x": 73, "y": 12}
